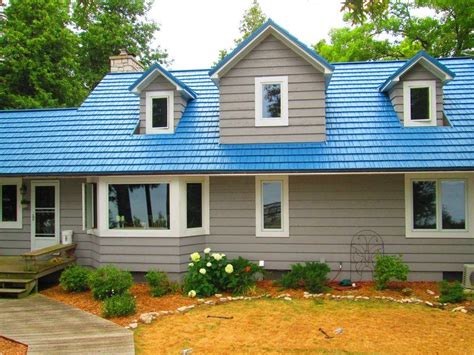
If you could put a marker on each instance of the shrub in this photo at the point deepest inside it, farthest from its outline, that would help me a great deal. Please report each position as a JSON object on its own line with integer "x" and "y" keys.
{"x": 74, "y": 278}
{"x": 108, "y": 281}
{"x": 212, "y": 273}
{"x": 451, "y": 292}
{"x": 119, "y": 305}
{"x": 158, "y": 282}
{"x": 311, "y": 276}
{"x": 389, "y": 267}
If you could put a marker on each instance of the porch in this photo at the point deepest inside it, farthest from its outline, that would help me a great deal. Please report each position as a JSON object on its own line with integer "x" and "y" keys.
{"x": 19, "y": 274}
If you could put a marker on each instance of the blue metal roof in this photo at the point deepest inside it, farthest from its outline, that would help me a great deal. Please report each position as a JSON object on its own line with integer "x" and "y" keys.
{"x": 167, "y": 74}
{"x": 420, "y": 55}
{"x": 271, "y": 23}
{"x": 363, "y": 132}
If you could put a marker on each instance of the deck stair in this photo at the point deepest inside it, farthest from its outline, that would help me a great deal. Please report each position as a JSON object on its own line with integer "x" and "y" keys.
{"x": 19, "y": 275}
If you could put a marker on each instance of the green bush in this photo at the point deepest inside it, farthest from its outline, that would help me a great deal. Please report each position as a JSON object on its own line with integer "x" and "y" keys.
{"x": 108, "y": 281}
{"x": 158, "y": 282}
{"x": 451, "y": 292}
{"x": 311, "y": 276}
{"x": 119, "y": 305}
{"x": 212, "y": 273}
{"x": 389, "y": 267}
{"x": 74, "y": 278}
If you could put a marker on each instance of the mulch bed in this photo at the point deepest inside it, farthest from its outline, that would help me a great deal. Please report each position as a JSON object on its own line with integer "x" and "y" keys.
{"x": 147, "y": 303}
{"x": 10, "y": 347}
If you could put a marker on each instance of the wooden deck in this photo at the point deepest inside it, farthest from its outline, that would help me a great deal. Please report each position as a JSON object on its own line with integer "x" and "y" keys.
{"x": 50, "y": 327}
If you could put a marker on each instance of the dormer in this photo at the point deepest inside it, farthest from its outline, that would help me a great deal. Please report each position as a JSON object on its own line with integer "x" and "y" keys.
{"x": 416, "y": 91}
{"x": 272, "y": 89}
{"x": 163, "y": 99}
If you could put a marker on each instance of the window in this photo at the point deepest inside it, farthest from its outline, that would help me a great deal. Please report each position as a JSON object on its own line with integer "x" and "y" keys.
{"x": 437, "y": 206}
{"x": 10, "y": 206}
{"x": 272, "y": 207}
{"x": 159, "y": 112}
{"x": 419, "y": 103}
{"x": 89, "y": 205}
{"x": 271, "y": 101}
{"x": 194, "y": 205}
{"x": 139, "y": 206}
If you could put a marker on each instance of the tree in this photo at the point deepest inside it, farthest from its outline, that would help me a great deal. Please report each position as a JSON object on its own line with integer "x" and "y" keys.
{"x": 106, "y": 26}
{"x": 448, "y": 33}
{"x": 359, "y": 10}
{"x": 253, "y": 18}
{"x": 39, "y": 66}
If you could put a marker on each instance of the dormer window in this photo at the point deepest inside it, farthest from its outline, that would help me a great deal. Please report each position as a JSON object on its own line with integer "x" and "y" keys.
{"x": 419, "y": 103}
{"x": 271, "y": 101}
{"x": 159, "y": 112}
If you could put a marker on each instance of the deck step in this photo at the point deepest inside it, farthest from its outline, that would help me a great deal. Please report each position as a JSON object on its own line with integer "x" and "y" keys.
{"x": 12, "y": 290}
{"x": 16, "y": 281}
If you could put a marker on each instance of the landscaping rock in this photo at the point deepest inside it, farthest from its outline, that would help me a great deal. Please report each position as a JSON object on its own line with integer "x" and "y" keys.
{"x": 223, "y": 299}
{"x": 283, "y": 295}
{"x": 464, "y": 310}
{"x": 185, "y": 308}
{"x": 407, "y": 291}
{"x": 210, "y": 303}
{"x": 146, "y": 318}
{"x": 430, "y": 292}
{"x": 201, "y": 300}
{"x": 218, "y": 295}
{"x": 133, "y": 325}
{"x": 429, "y": 304}
{"x": 287, "y": 298}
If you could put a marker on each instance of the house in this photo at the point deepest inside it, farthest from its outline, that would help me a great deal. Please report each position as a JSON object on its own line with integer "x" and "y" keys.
{"x": 275, "y": 155}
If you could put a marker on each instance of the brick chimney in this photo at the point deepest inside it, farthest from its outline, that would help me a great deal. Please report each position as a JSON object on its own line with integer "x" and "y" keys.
{"x": 124, "y": 62}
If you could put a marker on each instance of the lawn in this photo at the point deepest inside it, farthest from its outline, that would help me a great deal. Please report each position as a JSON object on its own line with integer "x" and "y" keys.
{"x": 278, "y": 326}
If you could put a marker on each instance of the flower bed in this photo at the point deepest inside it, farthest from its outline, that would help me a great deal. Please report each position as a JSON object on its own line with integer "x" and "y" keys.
{"x": 10, "y": 347}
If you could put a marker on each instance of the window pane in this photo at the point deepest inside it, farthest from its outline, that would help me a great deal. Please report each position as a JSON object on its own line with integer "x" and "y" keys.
{"x": 271, "y": 100}
{"x": 9, "y": 203}
{"x": 140, "y": 206}
{"x": 424, "y": 205}
{"x": 45, "y": 224}
{"x": 272, "y": 198}
{"x": 194, "y": 205}
{"x": 420, "y": 103}
{"x": 160, "y": 113}
{"x": 45, "y": 196}
{"x": 90, "y": 204}
{"x": 453, "y": 204}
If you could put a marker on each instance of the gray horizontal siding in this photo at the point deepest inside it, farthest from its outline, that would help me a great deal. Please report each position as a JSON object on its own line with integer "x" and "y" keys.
{"x": 161, "y": 84}
{"x": 325, "y": 212}
{"x": 306, "y": 97}
{"x": 417, "y": 73}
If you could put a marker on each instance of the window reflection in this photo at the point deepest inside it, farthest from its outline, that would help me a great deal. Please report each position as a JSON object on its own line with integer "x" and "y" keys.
{"x": 271, "y": 100}
{"x": 453, "y": 204}
{"x": 424, "y": 204}
{"x": 271, "y": 192}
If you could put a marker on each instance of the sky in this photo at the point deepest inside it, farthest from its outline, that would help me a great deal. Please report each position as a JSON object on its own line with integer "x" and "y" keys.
{"x": 193, "y": 31}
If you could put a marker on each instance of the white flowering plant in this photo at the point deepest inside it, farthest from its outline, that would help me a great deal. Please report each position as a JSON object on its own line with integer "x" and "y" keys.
{"x": 212, "y": 273}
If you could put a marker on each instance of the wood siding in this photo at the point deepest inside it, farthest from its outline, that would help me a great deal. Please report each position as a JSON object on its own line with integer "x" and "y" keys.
{"x": 161, "y": 84}
{"x": 417, "y": 73}
{"x": 306, "y": 97}
{"x": 325, "y": 212}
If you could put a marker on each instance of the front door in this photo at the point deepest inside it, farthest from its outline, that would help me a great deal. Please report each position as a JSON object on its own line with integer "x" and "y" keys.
{"x": 44, "y": 214}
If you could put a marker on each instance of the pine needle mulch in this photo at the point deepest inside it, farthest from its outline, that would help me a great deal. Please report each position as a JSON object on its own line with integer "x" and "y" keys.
{"x": 282, "y": 327}
{"x": 10, "y": 347}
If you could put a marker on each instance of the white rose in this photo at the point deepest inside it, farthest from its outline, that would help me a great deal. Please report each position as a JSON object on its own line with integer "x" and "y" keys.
{"x": 195, "y": 257}
{"x": 202, "y": 271}
{"x": 207, "y": 250}
{"x": 229, "y": 269}
{"x": 192, "y": 293}
{"x": 208, "y": 264}
{"x": 217, "y": 256}
{"x": 191, "y": 264}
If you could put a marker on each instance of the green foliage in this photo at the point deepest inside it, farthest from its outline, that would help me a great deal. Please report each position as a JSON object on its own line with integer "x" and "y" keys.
{"x": 389, "y": 267}
{"x": 158, "y": 282}
{"x": 106, "y": 26}
{"x": 451, "y": 292}
{"x": 311, "y": 276}
{"x": 252, "y": 19}
{"x": 212, "y": 273}
{"x": 119, "y": 305}
{"x": 107, "y": 281}
{"x": 359, "y": 10}
{"x": 75, "y": 278}
{"x": 40, "y": 56}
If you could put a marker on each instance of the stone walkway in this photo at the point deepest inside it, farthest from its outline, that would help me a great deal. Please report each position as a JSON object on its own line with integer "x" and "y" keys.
{"x": 51, "y": 327}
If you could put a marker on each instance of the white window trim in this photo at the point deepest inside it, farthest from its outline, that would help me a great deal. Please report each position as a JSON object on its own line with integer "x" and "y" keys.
{"x": 204, "y": 230}
{"x": 271, "y": 122}
{"x": 150, "y": 95}
{"x": 439, "y": 233}
{"x": 407, "y": 86}
{"x": 88, "y": 231}
{"x": 18, "y": 224}
{"x": 284, "y": 232}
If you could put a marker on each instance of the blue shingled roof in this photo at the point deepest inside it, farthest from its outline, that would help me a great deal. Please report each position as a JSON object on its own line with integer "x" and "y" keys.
{"x": 363, "y": 132}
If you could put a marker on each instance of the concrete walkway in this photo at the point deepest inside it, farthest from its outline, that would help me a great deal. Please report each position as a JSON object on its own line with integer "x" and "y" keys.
{"x": 51, "y": 327}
